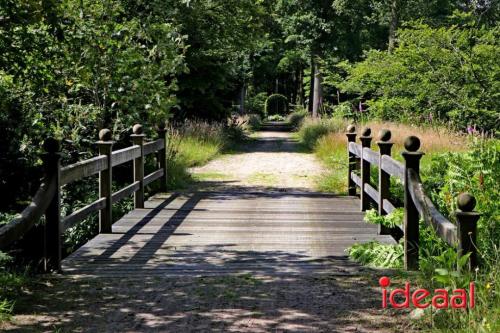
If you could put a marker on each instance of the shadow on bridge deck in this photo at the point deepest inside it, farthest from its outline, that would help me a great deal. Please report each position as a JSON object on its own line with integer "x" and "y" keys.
{"x": 220, "y": 233}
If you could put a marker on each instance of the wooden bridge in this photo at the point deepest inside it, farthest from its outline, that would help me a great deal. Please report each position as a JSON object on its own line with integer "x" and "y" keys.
{"x": 210, "y": 233}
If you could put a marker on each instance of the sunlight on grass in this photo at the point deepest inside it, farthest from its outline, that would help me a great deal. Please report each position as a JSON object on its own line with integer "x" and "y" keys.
{"x": 265, "y": 179}
{"x": 328, "y": 141}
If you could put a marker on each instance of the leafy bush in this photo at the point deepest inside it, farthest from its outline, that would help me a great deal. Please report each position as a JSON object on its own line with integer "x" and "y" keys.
{"x": 256, "y": 104}
{"x": 476, "y": 171}
{"x": 377, "y": 254}
{"x": 296, "y": 118}
{"x": 253, "y": 122}
{"x": 276, "y": 104}
{"x": 435, "y": 74}
{"x": 395, "y": 218}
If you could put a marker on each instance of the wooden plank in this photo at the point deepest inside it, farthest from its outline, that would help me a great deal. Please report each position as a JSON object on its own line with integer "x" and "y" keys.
{"x": 429, "y": 213}
{"x": 23, "y": 222}
{"x": 371, "y": 156}
{"x": 83, "y": 169}
{"x": 388, "y": 206}
{"x": 79, "y": 215}
{"x": 393, "y": 167}
{"x": 355, "y": 148}
{"x": 356, "y": 179}
{"x": 372, "y": 192}
{"x": 125, "y": 155}
{"x": 153, "y": 147}
{"x": 125, "y": 192}
{"x": 153, "y": 176}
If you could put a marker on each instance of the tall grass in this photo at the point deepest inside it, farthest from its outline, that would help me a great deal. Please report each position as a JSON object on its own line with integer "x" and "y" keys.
{"x": 194, "y": 143}
{"x": 326, "y": 137}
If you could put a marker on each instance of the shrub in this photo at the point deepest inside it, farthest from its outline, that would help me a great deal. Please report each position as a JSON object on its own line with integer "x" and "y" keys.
{"x": 253, "y": 122}
{"x": 256, "y": 104}
{"x": 296, "y": 118}
{"x": 276, "y": 104}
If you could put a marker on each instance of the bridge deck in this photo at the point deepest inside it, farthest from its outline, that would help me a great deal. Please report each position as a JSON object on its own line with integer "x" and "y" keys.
{"x": 213, "y": 233}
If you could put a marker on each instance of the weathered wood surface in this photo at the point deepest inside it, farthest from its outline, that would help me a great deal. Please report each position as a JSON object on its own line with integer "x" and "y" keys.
{"x": 72, "y": 219}
{"x": 125, "y": 155}
{"x": 153, "y": 147}
{"x": 16, "y": 228}
{"x": 371, "y": 156}
{"x": 444, "y": 228}
{"x": 83, "y": 169}
{"x": 355, "y": 148}
{"x": 228, "y": 233}
{"x": 393, "y": 167}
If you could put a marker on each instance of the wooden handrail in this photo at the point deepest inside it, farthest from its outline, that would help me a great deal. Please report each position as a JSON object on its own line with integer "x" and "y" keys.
{"x": 22, "y": 223}
{"x": 47, "y": 198}
{"x": 431, "y": 215}
{"x": 83, "y": 169}
{"x": 416, "y": 203}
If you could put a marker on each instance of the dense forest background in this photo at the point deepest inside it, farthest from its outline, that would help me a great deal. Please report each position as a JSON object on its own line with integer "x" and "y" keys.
{"x": 69, "y": 68}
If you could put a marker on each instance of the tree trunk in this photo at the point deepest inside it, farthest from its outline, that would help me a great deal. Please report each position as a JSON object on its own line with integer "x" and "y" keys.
{"x": 242, "y": 99}
{"x": 300, "y": 88}
{"x": 395, "y": 9}
{"x": 311, "y": 88}
{"x": 318, "y": 91}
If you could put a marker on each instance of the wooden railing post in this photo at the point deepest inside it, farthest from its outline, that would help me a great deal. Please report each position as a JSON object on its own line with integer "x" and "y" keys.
{"x": 162, "y": 156}
{"x": 366, "y": 141}
{"x": 52, "y": 228}
{"x": 467, "y": 227}
{"x": 384, "y": 179}
{"x": 105, "y": 145}
{"x": 351, "y": 137}
{"x": 411, "y": 216}
{"x": 138, "y": 139}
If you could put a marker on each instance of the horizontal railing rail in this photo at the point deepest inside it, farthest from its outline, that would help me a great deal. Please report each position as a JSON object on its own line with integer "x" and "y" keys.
{"x": 417, "y": 204}
{"x": 47, "y": 199}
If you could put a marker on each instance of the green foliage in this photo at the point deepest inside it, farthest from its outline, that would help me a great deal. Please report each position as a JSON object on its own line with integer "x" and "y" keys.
{"x": 377, "y": 254}
{"x": 194, "y": 143}
{"x": 313, "y": 129}
{"x": 296, "y": 118}
{"x": 435, "y": 74}
{"x": 476, "y": 171}
{"x": 391, "y": 220}
{"x": 276, "y": 104}
{"x": 254, "y": 122}
{"x": 256, "y": 104}
{"x": 11, "y": 283}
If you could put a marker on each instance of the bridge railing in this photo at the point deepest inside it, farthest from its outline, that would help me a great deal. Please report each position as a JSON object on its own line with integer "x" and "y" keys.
{"x": 47, "y": 199}
{"x": 417, "y": 204}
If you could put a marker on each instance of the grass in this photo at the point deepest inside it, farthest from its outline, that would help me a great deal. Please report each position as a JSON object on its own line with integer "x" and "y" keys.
{"x": 326, "y": 138}
{"x": 194, "y": 143}
{"x": 263, "y": 179}
{"x": 11, "y": 284}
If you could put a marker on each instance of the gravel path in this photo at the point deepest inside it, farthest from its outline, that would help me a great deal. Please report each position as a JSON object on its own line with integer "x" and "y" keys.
{"x": 272, "y": 160}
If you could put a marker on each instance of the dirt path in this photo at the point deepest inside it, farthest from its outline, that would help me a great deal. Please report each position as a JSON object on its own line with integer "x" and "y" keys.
{"x": 272, "y": 160}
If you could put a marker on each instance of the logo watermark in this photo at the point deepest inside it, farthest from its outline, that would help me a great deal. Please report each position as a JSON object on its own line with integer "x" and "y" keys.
{"x": 401, "y": 298}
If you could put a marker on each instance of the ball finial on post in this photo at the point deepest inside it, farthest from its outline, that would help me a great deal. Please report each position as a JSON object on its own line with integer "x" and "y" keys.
{"x": 384, "y": 135}
{"x": 466, "y": 202}
{"x": 412, "y": 144}
{"x": 105, "y": 135}
{"x": 351, "y": 129}
{"x": 137, "y": 129}
{"x": 366, "y": 132}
